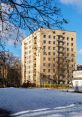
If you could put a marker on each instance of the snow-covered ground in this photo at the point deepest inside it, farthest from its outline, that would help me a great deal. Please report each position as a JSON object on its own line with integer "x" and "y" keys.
{"x": 41, "y": 102}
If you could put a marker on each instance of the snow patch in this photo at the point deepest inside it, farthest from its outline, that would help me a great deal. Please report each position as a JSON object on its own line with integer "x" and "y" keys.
{"x": 27, "y": 111}
{"x": 44, "y": 111}
{"x": 20, "y": 113}
{"x": 64, "y": 107}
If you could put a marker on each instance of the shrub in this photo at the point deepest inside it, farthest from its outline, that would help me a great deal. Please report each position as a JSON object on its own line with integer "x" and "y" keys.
{"x": 28, "y": 84}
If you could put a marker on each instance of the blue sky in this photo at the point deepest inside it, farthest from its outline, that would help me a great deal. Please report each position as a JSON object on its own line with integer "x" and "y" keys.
{"x": 71, "y": 10}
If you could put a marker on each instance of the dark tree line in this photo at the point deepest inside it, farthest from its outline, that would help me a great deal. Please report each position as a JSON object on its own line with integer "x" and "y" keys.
{"x": 10, "y": 70}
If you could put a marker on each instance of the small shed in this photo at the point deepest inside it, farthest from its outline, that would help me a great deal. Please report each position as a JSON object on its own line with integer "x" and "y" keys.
{"x": 77, "y": 81}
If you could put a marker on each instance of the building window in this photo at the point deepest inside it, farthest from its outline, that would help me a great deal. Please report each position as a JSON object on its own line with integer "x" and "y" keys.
{"x": 49, "y": 42}
{"x": 44, "y": 70}
{"x": 44, "y": 47}
{"x": 71, "y": 39}
{"x": 29, "y": 57}
{"x": 49, "y": 36}
{"x": 29, "y": 61}
{"x": 44, "y": 41}
{"x": 25, "y": 47}
{"x": 53, "y": 53}
{"x": 25, "y": 43}
{"x": 48, "y": 64}
{"x": 35, "y": 42}
{"x": 29, "y": 42}
{"x": 29, "y": 51}
{"x": 44, "y": 58}
{"x": 53, "y": 37}
{"x": 67, "y": 54}
{"x": 35, "y": 37}
{"x": 54, "y": 59}
{"x": 44, "y": 53}
{"x": 34, "y": 65}
{"x": 49, "y": 59}
{"x": 53, "y": 32}
{"x": 49, "y": 53}
{"x": 44, "y": 36}
{"x": 71, "y": 44}
{"x": 67, "y": 49}
{"x": 53, "y": 42}
{"x": 63, "y": 38}
{"x": 72, "y": 60}
{"x": 53, "y": 48}
{"x": 48, "y": 77}
{"x": 25, "y": 52}
{"x": 67, "y": 38}
{"x": 49, "y": 47}
{"x": 53, "y": 70}
{"x": 71, "y": 49}
{"x": 30, "y": 46}
{"x": 72, "y": 55}
{"x": 44, "y": 64}
{"x": 48, "y": 70}
{"x": 67, "y": 44}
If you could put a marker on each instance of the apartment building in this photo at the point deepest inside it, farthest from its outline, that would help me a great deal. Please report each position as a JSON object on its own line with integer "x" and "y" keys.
{"x": 48, "y": 56}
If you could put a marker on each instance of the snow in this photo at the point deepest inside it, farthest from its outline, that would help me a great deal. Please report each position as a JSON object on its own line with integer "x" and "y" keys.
{"x": 41, "y": 102}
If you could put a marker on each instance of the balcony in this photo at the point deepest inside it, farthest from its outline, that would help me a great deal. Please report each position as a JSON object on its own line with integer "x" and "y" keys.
{"x": 59, "y": 45}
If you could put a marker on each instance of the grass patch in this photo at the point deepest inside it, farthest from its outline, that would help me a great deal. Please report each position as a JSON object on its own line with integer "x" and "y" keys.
{"x": 56, "y": 86}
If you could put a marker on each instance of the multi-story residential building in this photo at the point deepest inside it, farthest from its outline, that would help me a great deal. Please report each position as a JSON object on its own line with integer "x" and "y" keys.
{"x": 48, "y": 56}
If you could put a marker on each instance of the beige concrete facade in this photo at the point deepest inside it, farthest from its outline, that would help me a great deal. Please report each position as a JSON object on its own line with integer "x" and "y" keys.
{"x": 48, "y": 56}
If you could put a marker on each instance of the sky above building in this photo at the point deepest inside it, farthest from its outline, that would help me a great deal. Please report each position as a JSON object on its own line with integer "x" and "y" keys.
{"x": 72, "y": 11}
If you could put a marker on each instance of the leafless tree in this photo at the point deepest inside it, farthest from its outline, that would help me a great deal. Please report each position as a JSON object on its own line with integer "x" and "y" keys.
{"x": 12, "y": 65}
{"x": 31, "y": 14}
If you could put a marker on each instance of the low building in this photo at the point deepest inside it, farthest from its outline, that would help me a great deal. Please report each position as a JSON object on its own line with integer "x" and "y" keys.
{"x": 79, "y": 67}
{"x": 77, "y": 79}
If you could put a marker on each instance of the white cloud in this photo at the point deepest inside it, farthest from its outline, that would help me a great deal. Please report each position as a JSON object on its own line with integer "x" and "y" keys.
{"x": 80, "y": 51}
{"x": 77, "y": 3}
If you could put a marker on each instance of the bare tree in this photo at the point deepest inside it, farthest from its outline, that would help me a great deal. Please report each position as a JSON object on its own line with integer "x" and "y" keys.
{"x": 12, "y": 65}
{"x": 14, "y": 72}
{"x": 31, "y": 14}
